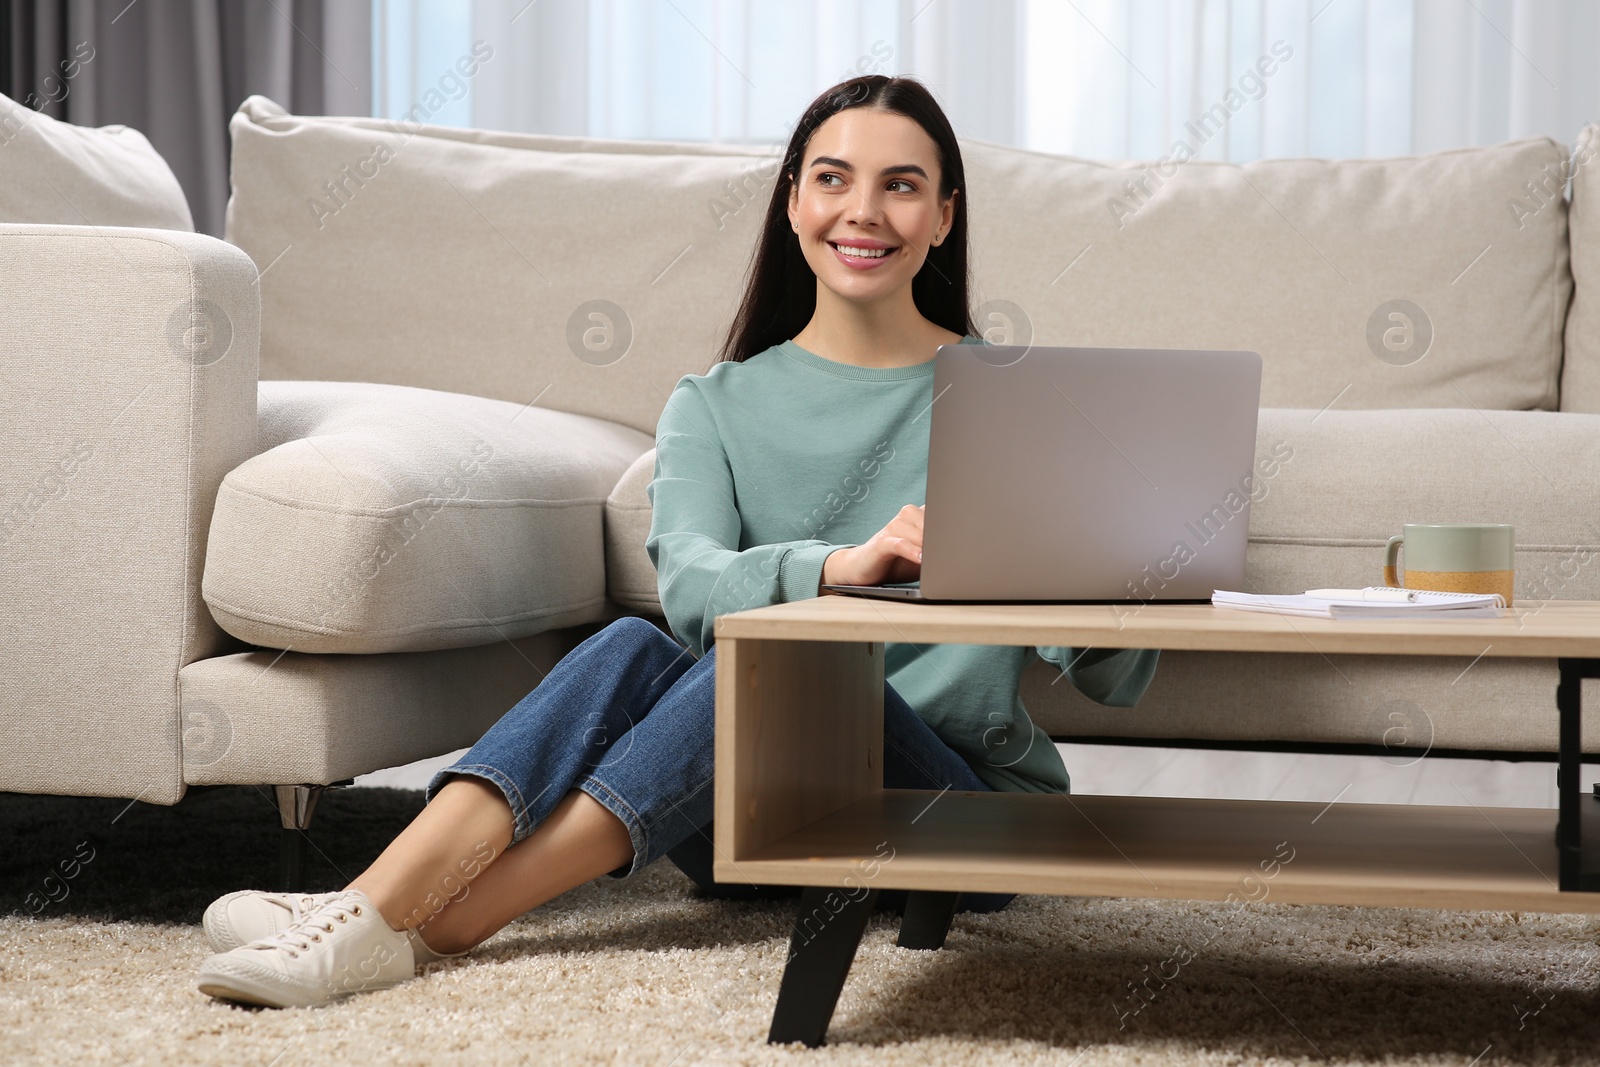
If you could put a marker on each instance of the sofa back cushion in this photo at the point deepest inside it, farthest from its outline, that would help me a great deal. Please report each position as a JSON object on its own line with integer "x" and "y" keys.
{"x": 593, "y": 274}
{"x": 1302, "y": 260}
{"x": 1580, "y": 371}
{"x": 53, "y": 172}
{"x": 590, "y": 274}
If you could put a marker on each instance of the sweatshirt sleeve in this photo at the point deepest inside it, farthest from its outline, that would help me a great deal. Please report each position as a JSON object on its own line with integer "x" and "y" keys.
{"x": 1115, "y": 677}
{"x": 695, "y": 531}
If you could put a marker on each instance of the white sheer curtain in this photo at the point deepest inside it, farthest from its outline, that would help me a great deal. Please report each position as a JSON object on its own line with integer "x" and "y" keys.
{"x": 1113, "y": 79}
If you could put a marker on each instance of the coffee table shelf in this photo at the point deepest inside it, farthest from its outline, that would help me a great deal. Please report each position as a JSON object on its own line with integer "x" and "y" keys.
{"x": 1386, "y": 855}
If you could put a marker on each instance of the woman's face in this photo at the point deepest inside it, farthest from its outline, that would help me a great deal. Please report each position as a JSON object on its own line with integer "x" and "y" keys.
{"x": 866, "y": 204}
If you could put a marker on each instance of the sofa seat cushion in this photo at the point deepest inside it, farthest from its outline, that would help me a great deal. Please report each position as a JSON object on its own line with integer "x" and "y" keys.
{"x": 385, "y": 518}
{"x": 54, "y": 172}
{"x": 1335, "y": 485}
{"x": 1330, "y": 487}
{"x": 1346, "y": 481}
{"x": 630, "y": 576}
{"x": 268, "y": 716}
{"x": 1401, "y": 706}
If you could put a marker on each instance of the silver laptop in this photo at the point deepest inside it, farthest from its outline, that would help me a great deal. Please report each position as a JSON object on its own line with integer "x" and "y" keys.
{"x": 1086, "y": 474}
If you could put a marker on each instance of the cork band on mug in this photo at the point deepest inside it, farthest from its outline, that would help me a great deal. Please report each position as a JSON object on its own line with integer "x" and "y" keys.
{"x": 1451, "y": 548}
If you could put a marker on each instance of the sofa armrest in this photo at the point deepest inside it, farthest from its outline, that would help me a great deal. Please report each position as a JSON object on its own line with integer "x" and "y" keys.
{"x": 128, "y": 366}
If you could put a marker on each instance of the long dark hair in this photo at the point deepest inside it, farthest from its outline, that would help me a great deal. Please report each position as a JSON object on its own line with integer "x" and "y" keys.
{"x": 781, "y": 293}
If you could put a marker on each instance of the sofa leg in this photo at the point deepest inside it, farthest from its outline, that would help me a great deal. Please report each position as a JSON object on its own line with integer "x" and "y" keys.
{"x": 296, "y": 804}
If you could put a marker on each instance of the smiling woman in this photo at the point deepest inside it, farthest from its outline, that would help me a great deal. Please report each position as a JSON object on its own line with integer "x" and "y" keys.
{"x": 869, "y": 199}
{"x": 761, "y": 494}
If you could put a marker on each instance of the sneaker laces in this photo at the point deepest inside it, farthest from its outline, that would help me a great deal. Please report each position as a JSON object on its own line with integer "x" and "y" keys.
{"x": 299, "y": 905}
{"x": 310, "y": 925}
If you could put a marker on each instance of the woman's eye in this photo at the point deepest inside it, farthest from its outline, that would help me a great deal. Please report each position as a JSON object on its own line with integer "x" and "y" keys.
{"x": 824, "y": 178}
{"x": 906, "y": 187}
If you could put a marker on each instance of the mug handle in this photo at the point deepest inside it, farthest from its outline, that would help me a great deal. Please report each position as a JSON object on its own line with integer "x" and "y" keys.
{"x": 1391, "y": 555}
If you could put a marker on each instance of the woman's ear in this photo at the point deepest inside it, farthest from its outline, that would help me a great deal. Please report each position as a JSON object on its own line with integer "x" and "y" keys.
{"x": 947, "y": 217}
{"x": 794, "y": 205}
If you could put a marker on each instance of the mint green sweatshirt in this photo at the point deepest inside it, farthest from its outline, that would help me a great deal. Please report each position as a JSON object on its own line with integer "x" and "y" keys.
{"x": 765, "y": 467}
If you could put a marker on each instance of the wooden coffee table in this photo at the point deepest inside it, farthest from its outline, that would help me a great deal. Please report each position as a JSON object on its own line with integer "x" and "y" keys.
{"x": 800, "y": 801}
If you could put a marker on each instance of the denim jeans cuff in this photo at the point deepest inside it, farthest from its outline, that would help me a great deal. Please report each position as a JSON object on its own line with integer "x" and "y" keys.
{"x": 521, "y": 824}
{"x": 630, "y": 818}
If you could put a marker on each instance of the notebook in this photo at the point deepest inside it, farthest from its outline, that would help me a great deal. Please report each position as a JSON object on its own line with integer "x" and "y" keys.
{"x": 1426, "y": 604}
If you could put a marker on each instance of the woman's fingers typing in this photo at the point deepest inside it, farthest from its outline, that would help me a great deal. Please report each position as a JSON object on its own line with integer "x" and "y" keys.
{"x": 893, "y": 554}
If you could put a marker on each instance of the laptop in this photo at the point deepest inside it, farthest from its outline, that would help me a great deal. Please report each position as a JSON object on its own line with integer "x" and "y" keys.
{"x": 1087, "y": 475}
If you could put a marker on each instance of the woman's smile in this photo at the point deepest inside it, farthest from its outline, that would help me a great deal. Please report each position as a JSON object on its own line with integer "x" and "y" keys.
{"x": 860, "y": 254}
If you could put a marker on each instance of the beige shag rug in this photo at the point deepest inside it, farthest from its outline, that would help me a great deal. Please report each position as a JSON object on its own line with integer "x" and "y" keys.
{"x": 644, "y": 972}
{"x": 97, "y": 968}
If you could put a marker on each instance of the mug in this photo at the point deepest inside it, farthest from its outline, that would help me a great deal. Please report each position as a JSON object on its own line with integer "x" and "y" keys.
{"x": 1454, "y": 557}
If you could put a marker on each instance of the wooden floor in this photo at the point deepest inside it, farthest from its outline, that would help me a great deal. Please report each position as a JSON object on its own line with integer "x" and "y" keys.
{"x": 1286, "y": 851}
{"x": 1152, "y": 770}
{"x": 1158, "y": 771}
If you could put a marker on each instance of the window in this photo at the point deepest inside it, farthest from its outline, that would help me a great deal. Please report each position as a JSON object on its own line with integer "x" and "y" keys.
{"x": 1111, "y": 79}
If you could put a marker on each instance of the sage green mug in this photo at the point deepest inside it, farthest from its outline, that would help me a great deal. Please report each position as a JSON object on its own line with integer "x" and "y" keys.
{"x": 1453, "y": 557}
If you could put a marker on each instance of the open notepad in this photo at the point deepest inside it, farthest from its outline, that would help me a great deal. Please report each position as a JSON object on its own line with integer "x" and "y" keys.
{"x": 1426, "y": 604}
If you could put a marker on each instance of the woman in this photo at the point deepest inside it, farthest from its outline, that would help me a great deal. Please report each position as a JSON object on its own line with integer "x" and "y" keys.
{"x": 795, "y": 461}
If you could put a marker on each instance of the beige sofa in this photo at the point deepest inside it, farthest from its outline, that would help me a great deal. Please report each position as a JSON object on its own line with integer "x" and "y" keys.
{"x": 332, "y": 495}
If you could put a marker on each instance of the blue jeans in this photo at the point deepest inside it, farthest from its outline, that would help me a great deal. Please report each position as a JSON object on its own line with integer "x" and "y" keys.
{"x": 628, "y": 717}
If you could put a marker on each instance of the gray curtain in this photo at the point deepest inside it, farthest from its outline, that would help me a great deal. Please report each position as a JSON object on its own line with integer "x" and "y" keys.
{"x": 176, "y": 70}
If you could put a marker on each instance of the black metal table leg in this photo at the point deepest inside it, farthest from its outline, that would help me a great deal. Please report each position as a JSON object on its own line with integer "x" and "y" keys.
{"x": 827, "y": 929}
{"x": 927, "y": 918}
{"x": 1578, "y": 821}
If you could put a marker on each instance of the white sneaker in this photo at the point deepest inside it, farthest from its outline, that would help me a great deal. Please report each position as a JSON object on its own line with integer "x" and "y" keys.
{"x": 239, "y": 918}
{"x": 250, "y": 914}
{"x": 425, "y": 955}
{"x": 343, "y": 945}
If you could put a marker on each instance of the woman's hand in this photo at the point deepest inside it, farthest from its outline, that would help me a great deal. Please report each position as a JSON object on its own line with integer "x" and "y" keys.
{"x": 893, "y": 554}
